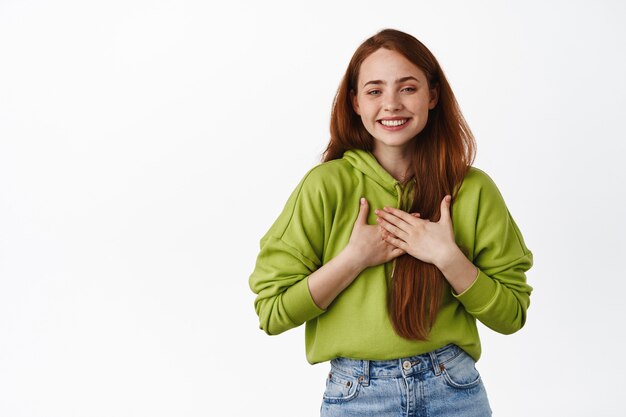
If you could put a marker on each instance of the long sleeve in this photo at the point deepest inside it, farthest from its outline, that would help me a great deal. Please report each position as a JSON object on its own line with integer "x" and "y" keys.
{"x": 316, "y": 224}
{"x": 500, "y": 296}
{"x": 289, "y": 252}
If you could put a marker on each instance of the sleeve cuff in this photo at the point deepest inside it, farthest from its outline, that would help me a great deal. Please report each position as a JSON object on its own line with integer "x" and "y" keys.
{"x": 299, "y": 303}
{"x": 479, "y": 295}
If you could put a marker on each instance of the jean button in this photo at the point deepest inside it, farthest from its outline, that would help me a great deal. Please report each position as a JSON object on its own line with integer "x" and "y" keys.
{"x": 406, "y": 365}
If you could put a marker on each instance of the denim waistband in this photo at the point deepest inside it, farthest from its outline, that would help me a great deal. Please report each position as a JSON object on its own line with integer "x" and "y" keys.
{"x": 396, "y": 368}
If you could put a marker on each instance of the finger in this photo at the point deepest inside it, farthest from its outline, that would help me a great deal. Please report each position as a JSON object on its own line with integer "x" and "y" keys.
{"x": 395, "y": 216}
{"x": 392, "y": 219}
{"x": 384, "y": 232}
{"x": 395, "y": 230}
{"x": 445, "y": 209}
{"x": 363, "y": 210}
{"x": 415, "y": 214}
{"x": 399, "y": 243}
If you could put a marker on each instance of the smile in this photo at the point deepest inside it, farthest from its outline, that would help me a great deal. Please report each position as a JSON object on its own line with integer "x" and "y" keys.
{"x": 393, "y": 123}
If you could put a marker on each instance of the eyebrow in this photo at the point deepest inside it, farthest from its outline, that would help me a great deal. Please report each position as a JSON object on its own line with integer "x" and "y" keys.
{"x": 399, "y": 80}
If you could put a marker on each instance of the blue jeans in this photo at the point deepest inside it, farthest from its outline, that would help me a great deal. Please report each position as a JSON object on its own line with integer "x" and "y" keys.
{"x": 444, "y": 382}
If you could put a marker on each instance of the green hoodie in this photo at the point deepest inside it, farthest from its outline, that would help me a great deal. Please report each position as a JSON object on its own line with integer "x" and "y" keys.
{"x": 316, "y": 224}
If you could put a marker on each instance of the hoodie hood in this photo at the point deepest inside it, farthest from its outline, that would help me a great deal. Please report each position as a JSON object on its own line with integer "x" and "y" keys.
{"x": 366, "y": 162}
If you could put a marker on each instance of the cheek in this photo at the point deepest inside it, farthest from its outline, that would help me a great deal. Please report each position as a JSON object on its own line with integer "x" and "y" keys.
{"x": 368, "y": 112}
{"x": 422, "y": 109}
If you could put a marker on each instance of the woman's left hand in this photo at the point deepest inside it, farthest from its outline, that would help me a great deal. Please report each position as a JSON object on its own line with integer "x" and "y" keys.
{"x": 431, "y": 242}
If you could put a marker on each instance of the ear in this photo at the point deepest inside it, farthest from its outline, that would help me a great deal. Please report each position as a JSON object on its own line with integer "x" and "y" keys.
{"x": 434, "y": 97}
{"x": 355, "y": 103}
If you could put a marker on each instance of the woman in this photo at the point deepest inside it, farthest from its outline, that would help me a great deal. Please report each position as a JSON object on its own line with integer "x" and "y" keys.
{"x": 392, "y": 247}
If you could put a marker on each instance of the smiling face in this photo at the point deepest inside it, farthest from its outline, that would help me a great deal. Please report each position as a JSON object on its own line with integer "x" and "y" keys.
{"x": 393, "y": 99}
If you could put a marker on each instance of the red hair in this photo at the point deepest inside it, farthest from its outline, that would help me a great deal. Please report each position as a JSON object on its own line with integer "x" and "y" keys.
{"x": 441, "y": 156}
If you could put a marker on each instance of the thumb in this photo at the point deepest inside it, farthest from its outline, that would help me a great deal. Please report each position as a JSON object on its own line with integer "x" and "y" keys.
{"x": 363, "y": 211}
{"x": 445, "y": 209}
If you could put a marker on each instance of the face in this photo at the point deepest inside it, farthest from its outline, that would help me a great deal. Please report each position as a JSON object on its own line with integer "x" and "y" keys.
{"x": 393, "y": 99}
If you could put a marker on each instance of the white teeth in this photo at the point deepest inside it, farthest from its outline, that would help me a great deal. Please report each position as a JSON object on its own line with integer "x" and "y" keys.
{"x": 393, "y": 123}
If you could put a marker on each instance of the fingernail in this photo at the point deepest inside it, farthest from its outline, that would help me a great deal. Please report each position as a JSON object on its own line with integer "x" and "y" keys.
{"x": 362, "y": 201}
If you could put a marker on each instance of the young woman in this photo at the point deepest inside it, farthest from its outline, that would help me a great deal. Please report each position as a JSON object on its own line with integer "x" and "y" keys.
{"x": 392, "y": 247}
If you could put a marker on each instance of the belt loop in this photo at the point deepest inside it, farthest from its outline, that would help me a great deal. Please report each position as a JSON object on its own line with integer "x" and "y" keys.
{"x": 364, "y": 378}
{"x": 435, "y": 362}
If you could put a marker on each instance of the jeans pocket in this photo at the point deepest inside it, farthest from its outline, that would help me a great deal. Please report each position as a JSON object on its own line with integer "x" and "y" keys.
{"x": 461, "y": 372}
{"x": 340, "y": 388}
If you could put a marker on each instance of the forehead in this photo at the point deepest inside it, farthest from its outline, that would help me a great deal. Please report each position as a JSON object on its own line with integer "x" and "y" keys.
{"x": 387, "y": 65}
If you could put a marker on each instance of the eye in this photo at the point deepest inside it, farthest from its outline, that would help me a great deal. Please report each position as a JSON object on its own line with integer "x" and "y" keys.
{"x": 409, "y": 89}
{"x": 373, "y": 92}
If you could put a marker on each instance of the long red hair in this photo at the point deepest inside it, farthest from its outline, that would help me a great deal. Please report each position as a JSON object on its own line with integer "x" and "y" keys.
{"x": 441, "y": 156}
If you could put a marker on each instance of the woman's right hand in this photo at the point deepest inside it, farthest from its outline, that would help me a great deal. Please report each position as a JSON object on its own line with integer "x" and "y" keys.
{"x": 366, "y": 248}
{"x": 366, "y": 243}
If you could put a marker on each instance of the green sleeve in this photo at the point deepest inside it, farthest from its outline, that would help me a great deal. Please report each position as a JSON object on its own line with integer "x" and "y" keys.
{"x": 500, "y": 296}
{"x": 289, "y": 252}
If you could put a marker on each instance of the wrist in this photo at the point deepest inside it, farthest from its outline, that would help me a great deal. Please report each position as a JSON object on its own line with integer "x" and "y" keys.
{"x": 459, "y": 271}
{"x": 449, "y": 258}
{"x": 351, "y": 257}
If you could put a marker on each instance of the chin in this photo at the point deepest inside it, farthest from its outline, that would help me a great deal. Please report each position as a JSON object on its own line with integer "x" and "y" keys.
{"x": 393, "y": 143}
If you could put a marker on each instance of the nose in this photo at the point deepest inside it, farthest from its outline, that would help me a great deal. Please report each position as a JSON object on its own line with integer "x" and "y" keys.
{"x": 392, "y": 102}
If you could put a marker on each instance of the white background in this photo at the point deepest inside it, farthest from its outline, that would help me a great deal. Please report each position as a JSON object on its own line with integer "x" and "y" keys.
{"x": 146, "y": 146}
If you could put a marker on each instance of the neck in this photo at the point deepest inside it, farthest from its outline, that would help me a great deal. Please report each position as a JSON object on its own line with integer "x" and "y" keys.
{"x": 396, "y": 161}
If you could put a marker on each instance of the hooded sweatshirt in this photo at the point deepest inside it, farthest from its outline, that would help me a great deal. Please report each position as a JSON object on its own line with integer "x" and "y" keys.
{"x": 315, "y": 225}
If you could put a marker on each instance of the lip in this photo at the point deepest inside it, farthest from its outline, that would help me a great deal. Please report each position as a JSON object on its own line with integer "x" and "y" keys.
{"x": 392, "y": 118}
{"x": 393, "y": 128}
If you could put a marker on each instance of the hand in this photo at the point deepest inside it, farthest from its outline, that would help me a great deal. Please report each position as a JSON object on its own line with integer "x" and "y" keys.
{"x": 366, "y": 243}
{"x": 431, "y": 242}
